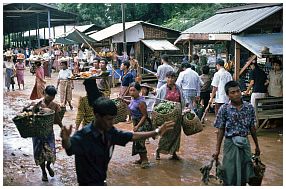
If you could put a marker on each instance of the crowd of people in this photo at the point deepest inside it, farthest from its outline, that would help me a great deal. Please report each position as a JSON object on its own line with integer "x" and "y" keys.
{"x": 95, "y": 136}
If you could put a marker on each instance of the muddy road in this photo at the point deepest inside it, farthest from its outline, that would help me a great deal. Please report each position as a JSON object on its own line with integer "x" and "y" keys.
{"x": 19, "y": 167}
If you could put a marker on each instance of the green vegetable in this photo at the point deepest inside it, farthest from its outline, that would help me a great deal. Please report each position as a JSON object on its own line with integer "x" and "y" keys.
{"x": 164, "y": 107}
{"x": 190, "y": 115}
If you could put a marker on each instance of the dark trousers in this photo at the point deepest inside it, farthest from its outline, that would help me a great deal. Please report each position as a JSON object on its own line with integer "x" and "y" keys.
{"x": 205, "y": 96}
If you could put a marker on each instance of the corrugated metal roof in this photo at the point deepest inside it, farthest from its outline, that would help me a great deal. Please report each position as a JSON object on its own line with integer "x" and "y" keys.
{"x": 255, "y": 42}
{"x": 112, "y": 30}
{"x": 117, "y": 28}
{"x": 233, "y": 22}
{"x": 160, "y": 45}
{"x": 247, "y": 7}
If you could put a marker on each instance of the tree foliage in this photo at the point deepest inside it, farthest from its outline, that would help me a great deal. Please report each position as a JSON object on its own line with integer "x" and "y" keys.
{"x": 179, "y": 16}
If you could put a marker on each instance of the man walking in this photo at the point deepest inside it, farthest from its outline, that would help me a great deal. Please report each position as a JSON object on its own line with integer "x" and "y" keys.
{"x": 221, "y": 77}
{"x": 258, "y": 80}
{"x": 234, "y": 121}
{"x": 162, "y": 70}
{"x": 189, "y": 81}
{"x": 94, "y": 144}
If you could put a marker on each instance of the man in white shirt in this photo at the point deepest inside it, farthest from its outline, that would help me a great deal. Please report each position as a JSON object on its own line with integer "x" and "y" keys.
{"x": 189, "y": 81}
{"x": 221, "y": 77}
{"x": 162, "y": 70}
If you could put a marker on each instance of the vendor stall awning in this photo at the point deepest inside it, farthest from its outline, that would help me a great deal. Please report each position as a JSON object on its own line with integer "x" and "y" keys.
{"x": 255, "y": 43}
{"x": 160, "y": 45}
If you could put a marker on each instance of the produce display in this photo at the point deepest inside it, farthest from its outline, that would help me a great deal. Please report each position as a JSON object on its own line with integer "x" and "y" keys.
{"x": 164, "y": 107}
{"x": 89, "y": 75}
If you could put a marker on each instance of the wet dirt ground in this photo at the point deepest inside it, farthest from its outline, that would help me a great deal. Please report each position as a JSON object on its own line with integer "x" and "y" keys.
{"x": 19, "y": 168}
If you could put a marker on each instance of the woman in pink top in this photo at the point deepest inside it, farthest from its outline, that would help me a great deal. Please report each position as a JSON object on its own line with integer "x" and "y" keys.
{"x": 38, "y": 90}
{"x": 20, "y": 68}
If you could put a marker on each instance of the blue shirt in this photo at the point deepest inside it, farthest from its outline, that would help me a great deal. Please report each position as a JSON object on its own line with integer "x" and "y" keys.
{"x": 127, "y": 79}
{"x": 134, "y": 107}
{"x": 92, "y": 154}
{"x": 235, "y": 122}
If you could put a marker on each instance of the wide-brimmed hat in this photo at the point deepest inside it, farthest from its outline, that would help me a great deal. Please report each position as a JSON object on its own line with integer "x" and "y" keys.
{"x": 147, "y": 86}
{"x": 20, "y": 56}
{"x": 265, "y": 50}
{"x": 37, "y": 59}
{"x": 64, "y": 59}
{"x": 74, "y": 52}
{"x": 8, "y": 53}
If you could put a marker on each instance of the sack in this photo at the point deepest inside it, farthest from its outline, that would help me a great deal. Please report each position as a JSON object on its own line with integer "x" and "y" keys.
{"x": 191, "y": 126}
{"x": 259, "y": 169}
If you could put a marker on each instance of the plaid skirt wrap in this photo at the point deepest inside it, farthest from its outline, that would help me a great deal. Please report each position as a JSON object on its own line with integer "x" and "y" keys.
{"x": 138, "y": 147}
{"x": 158, "y": 119}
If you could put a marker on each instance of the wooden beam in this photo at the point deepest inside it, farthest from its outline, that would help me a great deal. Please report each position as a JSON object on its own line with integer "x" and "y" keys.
{"x": 237, "y": 61}
{"x": 247, "y": 64}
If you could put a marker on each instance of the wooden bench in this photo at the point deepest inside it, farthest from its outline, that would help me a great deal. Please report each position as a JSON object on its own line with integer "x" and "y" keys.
{"x": 268, "y": 108}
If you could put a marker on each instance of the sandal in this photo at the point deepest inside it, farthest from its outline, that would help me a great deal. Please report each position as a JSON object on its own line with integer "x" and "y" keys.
{"x": 175, "y": 157}
{"x": 145, "y": 164}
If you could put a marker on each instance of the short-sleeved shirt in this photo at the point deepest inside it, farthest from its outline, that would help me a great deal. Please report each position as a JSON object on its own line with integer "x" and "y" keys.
{"x": 275, "y": 87}
{"x": 236, "y": 122}
{"x": 127, "y": 79}
{"x": 92, "y": 154}
{"x": 259, "y": 77}
{"x": 65, "y": 74}
{"x": 162, "y": 70}
{"x": 220, "y": 79}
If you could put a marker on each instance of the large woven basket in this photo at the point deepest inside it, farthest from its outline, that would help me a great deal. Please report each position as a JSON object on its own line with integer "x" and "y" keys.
{"x": 35, "y": 125}
{"x": 122, "y": 111}
{"x": 62, "y": 112}
{"x": 158, "y": 119}
{"x": 191, "y": 127}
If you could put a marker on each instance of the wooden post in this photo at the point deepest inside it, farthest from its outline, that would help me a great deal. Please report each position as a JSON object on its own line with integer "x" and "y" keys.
{"x": 38, "y": 28}
{"x": 237, "y": 61}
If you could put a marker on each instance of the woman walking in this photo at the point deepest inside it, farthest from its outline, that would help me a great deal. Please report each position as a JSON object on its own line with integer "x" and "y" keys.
{"x": 10, "y": 69}
{"x": 39, "y": 86}
{"x": 66, "y": 85}
{"x": 20, "y": 68}
{"x": 140, "y": 122}
{"x": 45, "y": 147}
{"x": 169, "y": 143}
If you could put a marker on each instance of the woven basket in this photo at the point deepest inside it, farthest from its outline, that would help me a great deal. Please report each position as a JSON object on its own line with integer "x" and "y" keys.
{"x": 158, "y": 119}
{"x": 62, "y": 112}
{"x": 191, "y": 127}
{"x": 122, "y": 111}
{"x": 35, "y": 125}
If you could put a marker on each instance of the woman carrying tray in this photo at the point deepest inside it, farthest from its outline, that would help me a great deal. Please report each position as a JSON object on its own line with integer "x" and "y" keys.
{"x": 85, "y": 112}
{"x": 44, "y": 147}
{"x": 39, "y": 86}
{"x": 66, "y": 85}
{"x": 169, "y": 143}
{"x": 140, "y": 121}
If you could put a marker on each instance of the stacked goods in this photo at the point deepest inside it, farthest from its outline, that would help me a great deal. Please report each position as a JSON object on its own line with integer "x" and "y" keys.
{"x": 165, "y": 111}
{"x": 35, "y": 124}
{"x": 191, "y": 124}
{"x": 122, "y": 110}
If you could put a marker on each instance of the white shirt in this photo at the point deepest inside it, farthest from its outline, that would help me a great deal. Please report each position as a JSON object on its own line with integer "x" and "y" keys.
{"x": 219, "y": 80}
{"x": 162, "y": 70}
{"x": 64, "y": 74}
{"x": 189, "y": 79}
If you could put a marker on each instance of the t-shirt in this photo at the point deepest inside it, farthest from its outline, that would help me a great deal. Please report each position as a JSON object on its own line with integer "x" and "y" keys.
{"x": 64, "y": 74}
{"x": 162, "y": 70}
{"x": 92, "y": 154}
{"x": 220, "y": 79}
{"x": 259, "y": 78}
